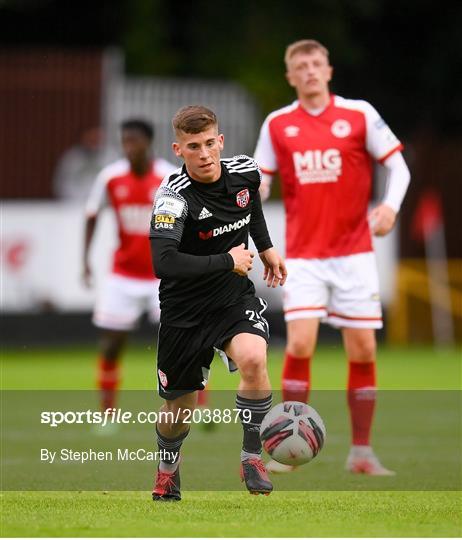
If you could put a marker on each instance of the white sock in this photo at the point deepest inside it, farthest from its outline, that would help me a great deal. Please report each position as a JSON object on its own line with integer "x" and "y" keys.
{"x": 362, "y": 450}
{"x": 247, "y": 455}
{"x": 168, "y": 467}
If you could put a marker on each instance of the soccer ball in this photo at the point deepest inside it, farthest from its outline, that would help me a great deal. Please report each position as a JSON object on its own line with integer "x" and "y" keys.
{"x": 292, "y": 433}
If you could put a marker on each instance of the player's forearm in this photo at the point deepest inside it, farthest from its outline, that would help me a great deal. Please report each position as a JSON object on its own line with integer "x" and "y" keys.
{"x": 398, "y": 181}
{"x": 258, "y": 228}
{"x": 90, "y": 225}
{"x": 170, "y": 263}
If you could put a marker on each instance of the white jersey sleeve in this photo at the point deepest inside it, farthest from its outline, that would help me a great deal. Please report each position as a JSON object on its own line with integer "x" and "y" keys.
{"x": 398, "y": 180}
{"x": 265, "y": 186}
{"x": 264, "y": 152}
{"x": 381, "y": 142}
{"x": 97, "y": 199}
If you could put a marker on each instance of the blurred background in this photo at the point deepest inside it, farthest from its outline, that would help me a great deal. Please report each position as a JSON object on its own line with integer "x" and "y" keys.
{"x": 71, "y": 71}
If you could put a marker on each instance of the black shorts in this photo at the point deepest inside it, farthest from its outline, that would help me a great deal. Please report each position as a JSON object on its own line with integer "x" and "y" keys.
{"x": 184, "y": 355}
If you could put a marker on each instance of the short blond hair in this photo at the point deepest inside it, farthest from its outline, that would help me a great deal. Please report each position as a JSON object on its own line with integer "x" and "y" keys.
{"x": 194, "y": 119}
{"x": 304, "y": 46}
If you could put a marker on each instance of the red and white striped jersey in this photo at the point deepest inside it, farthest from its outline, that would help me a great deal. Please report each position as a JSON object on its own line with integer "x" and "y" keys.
{"x": 325, "y": 166}
{"x": 131, "y": 197}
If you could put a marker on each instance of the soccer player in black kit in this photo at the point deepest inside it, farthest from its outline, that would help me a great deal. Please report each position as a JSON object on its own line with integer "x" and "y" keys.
{"x": 202, "y": 216}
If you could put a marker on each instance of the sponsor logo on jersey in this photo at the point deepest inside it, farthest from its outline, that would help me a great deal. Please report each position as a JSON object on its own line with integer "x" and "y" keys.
{"x": 218, "y": 231}
{"x": 165, "y": 218}
{"x": 169, "y": 205}
{"x": 341, "y": 128}
{"x": 291, "y": 131}
{"x": 243, "y": 198}
{"x": 163, "y": 226}
{"x": 134, "y": 218}
{"x": 163, "y": 378}
{"x": 205, "y": 235}
{"x": 204, "y": 213}
{"x": 318, "y": 166}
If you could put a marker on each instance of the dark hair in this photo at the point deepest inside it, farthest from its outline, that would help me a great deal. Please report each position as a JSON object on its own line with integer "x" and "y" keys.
{"x": 194, "y": 119}
{"x": 143, "y": 126}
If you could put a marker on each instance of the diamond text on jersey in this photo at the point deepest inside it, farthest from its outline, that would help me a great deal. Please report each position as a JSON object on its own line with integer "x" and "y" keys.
{"x": 225, "y": 228}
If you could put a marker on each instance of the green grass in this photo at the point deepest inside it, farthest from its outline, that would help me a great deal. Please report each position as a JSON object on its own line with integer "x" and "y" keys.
{"x": 74, "y": 368}
{"x": 230, "y": 514}
{"x": 359, "y": 512}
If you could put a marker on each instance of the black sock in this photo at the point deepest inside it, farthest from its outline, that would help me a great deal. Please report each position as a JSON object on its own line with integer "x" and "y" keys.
{"x": 170, "y": 449}
{"x": 252, "y": 412}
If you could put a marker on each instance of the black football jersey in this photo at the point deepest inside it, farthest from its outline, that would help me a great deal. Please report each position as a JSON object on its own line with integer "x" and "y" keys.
{"x": 207, "y": 219}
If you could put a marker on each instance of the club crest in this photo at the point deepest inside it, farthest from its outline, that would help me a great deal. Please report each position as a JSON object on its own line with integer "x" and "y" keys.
{"x": 341, "y": 128}
{"x": 162, "y": 378}
{"x": 242, "y": 198}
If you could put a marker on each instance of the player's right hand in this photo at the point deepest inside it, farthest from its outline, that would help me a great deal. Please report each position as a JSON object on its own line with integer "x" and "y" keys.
{"x": 242, "y": 259}
{"x": 381, "y": 219}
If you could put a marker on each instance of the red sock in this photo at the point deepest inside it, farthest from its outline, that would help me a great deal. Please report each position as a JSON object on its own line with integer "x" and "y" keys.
{"x": 202, "y": 397}
{"x": 296, "y": 378}
{"x": 361, "y": 400}
{"x": 108, "y": 381}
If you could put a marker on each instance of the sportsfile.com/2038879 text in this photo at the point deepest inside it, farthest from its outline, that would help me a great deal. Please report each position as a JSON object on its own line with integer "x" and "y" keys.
{"x": 119, "y": 416}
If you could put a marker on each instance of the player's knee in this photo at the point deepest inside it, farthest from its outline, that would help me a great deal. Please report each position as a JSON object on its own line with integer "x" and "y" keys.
{"x": 364, "y": 350}
{"x": 182, "y": 414}
{"x": 172, "y": 416}
{"x": 112, "y": 345}
{"x": 109, "y": 351}
{"x": 252, "y": 365}
{"x": 299, "y": 346}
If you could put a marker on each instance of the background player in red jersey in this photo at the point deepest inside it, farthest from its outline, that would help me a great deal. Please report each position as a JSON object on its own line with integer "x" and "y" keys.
{"x": 128, "y": 186}
{"x": 323, "y": 146}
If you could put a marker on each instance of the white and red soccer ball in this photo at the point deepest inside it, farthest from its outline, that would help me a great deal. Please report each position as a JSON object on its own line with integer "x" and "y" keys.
{"x": 292, "y": 433}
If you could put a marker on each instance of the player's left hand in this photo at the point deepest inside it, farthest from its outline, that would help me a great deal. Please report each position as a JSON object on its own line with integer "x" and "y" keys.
{"x": 275, "y": 272}
{"x": 381, "y": 219}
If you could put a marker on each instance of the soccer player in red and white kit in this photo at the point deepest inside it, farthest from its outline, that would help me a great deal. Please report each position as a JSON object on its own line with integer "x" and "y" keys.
{"x": 323, "y": 146}
{"x": 128, "y": 186}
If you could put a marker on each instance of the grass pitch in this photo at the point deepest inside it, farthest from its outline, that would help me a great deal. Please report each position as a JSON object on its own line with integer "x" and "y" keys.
{"x": 231, "y": 514}
{"x": 405, "y": 368}
{"x": 224, "y": 513}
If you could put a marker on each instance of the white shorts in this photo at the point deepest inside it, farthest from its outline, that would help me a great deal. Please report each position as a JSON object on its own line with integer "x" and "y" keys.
{"x": 123, "y": 300}
{"x": 342, "y": 291}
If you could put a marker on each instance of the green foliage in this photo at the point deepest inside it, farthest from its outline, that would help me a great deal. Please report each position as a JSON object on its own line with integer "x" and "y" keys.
{"x": 393, "y": 54}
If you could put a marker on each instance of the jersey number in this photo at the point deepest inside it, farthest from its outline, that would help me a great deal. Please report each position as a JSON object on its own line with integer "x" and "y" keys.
{"x": 259, "y": 321}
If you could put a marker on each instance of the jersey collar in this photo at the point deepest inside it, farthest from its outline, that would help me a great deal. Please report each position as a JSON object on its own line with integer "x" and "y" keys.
{"x": 207, "y": 187}
{"x": 320, "y": 114}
